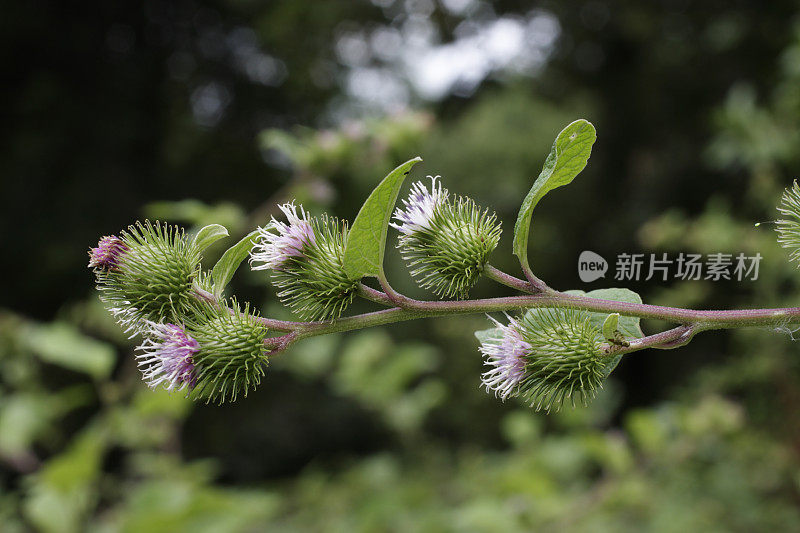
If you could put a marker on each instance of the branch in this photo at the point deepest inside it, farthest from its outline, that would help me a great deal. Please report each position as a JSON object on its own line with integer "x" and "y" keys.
{"x": 510, "y": 281}
{"x": 374, "y": 295}
{"x": 692, "y": 321}
{"x": 538, "y": 284}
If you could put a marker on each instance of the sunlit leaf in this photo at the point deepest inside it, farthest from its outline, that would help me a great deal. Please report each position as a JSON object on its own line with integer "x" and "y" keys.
{"x": 610, "y": 325}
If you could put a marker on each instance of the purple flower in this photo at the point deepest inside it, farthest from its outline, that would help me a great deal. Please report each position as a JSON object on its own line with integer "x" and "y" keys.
{"x": 166, "y": 357}
{"x": 108, "y": 253}
{"x": 419, "y": 207}
{"x": 273, "y": 249}
{"x": 506, "y": 357}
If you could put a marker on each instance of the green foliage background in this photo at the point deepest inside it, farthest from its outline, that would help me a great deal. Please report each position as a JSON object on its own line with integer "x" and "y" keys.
{"x": 697, "y": 108}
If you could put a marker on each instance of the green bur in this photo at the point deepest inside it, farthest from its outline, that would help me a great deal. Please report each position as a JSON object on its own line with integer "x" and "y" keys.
{"x": 789, "y": 229}
{"x": 449, "y": 255}
{"x": 155, "y": 277}
{"x": 315, "y": 284}
{"x": 232, "y": 357}
{"x": 566, "y": 361}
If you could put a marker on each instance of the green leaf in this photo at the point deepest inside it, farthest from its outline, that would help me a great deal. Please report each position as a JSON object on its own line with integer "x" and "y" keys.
{"x": 208, "y": 235}
{"x": 223, "y": 271}
{"x": 567, "y": 158}
{"x": 627, "y": 325}
{"x": 610, "y": 325}
{"x": 366, "y": 241}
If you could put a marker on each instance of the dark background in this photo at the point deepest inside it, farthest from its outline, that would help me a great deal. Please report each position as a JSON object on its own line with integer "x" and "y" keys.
{"x": 116, "y": 112}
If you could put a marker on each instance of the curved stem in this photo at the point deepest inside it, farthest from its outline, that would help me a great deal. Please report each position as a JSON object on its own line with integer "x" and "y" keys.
{"x": 395, "y": 297}
{"x": 693, "y": 321}
{"x": 282, "y": 325}
{"x": 508, "y": 280}
{"x": 535, "y": 282}
{"x": 712, "y": 319}
{"x": 373, "y": 295}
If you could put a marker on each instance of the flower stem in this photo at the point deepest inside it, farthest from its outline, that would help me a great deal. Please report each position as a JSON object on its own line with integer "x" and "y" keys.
{"x": 509, "y": 281}
{"x": 696, "y": 321}
{"x": 374, "y": 295}
{"x": 404, "y": 308}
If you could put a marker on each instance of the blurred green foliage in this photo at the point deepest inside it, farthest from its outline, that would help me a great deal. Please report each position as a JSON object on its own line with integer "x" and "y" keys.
{"x": 691, "y": 465}
{"x": 697, "y": 109}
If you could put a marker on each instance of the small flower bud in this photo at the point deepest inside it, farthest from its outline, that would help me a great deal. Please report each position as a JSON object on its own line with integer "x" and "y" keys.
{"x": 232, "y": 357}
{"x": 789, "y": 229}
{"x": 306, "y": 258}
{"x": 446, "y": 242}
{"x": 147, "y": 274}
{"x": 108, "y": 253}
{"x": 546, "y": 357}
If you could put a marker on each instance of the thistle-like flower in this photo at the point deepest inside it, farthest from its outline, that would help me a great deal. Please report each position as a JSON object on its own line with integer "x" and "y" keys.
{"x": 306, "y": 258}
{"x": 108, "y": 253}
{"x": 789, "y": 229}
{"x": 147, "y": 274}
{"x": 167, "y": 357}
{"x": 216, "y": 356}
{"x": 546, "y": 357}
{"x": 506, "y": 355}
{"x": 274, "y": 249}
{"x": 420, "y": 207}
{"x": 445, "y": 241}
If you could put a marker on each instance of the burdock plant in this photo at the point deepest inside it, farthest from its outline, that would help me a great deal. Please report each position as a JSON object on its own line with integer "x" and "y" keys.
{"x": 546, "y": 356}
{"x": 557, "y": 349}
{"x": 446, "y": 242}
{"x": 305, "y": 256}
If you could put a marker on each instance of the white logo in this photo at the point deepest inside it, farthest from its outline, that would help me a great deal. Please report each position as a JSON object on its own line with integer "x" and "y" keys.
{"x": 591, "y": 266}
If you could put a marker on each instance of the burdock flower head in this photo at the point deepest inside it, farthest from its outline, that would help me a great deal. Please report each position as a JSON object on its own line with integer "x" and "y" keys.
{"x": 445, "y": 241}
{"x": 147, "y": 274}
{"x": 306, "y": 258}
{"x": 274, "y": 249}
{"x": 108, "y": 253}
{"x": 506, "y": 355}
{"x": 420, "y": 207}
{"x": 167, "y": 357}
{"x": 217, "y": 355}
{"x": 545, "y": 357}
